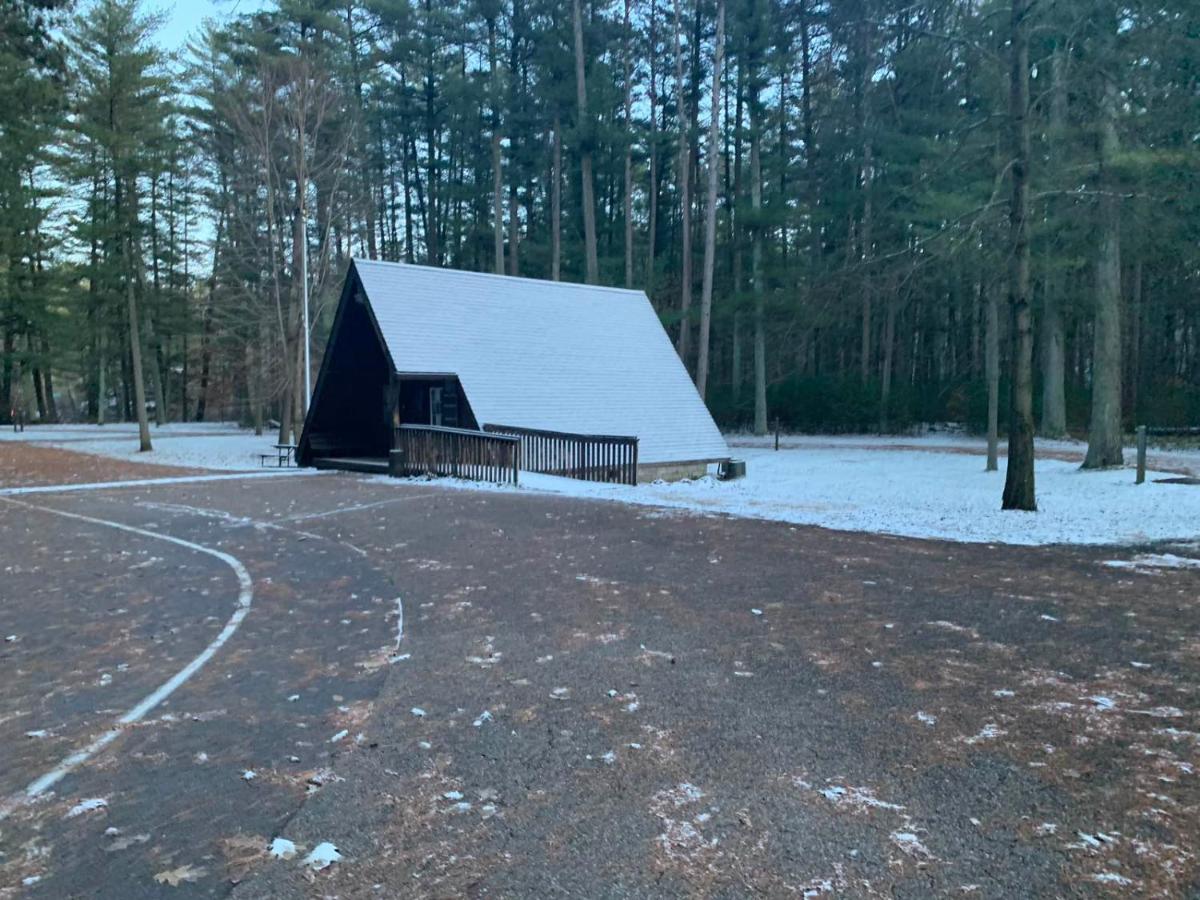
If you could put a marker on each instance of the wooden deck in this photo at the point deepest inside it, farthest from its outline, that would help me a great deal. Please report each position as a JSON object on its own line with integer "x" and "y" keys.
{"x": 370, "y": 464}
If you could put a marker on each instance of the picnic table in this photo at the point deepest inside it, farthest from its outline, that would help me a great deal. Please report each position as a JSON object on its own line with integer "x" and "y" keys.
{"x": 284, "y": 456}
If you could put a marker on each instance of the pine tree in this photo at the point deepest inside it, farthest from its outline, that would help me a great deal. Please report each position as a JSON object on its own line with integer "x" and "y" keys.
{"x": 120, "y": 112}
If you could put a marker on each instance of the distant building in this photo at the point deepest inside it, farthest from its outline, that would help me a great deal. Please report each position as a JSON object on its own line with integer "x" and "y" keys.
{"x": 419, "y": 345}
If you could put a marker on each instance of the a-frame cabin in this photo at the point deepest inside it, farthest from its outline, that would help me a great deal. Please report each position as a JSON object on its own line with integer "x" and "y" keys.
{"x": 427, "y": 346}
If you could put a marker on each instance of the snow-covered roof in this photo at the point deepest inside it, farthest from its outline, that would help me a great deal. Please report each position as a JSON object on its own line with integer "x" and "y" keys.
{"x": 545, "y": 354}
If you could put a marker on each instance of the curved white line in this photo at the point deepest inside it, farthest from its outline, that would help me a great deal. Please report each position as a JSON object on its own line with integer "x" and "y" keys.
{"x": 245, "y": 597}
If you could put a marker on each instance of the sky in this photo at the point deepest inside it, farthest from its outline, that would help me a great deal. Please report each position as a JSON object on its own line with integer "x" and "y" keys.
{"x": 182, "y": 19}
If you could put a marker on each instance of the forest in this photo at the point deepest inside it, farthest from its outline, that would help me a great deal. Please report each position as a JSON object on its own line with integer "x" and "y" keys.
{"x": 851, "y": 215}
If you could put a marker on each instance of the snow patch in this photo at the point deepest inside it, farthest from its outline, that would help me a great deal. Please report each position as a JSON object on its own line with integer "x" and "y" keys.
{"x": 989, "y": 732}
{"x": 86, "y": 806}
{"x": 322, "y": 856}
{"x": 910, "y": 844}
{"x": 930, "y": 487}
{"x": 858, "y": 799}
{"x": 1150, "y": 561}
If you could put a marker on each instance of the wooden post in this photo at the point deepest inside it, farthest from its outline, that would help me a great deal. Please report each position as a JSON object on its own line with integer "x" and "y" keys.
{"x": 1141, "y": 454}
{"x": 777, "y": 432}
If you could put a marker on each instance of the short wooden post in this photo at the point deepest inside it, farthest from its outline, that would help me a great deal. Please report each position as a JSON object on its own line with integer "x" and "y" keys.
{"x": 777, "y": 432}
{"x": 1141, "y": 454}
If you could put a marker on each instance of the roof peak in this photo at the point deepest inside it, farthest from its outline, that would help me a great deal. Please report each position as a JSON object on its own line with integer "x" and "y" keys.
{"x": 359, "y": 261}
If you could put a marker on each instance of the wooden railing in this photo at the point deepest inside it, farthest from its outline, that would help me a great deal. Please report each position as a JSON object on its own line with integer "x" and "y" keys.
{"x": 457, "y": 452}
{"x": 588, "y": 457}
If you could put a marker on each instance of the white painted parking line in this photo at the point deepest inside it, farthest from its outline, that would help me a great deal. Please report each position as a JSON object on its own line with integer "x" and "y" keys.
{"x": 148, "y": 482}
{"x": 149, "y": 702}
{"x": 242, "y": 521}
{"x": 338, "y": 510}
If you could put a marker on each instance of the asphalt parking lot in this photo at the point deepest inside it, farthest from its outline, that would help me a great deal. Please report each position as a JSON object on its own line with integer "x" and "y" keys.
{"x": 483, "y": 693}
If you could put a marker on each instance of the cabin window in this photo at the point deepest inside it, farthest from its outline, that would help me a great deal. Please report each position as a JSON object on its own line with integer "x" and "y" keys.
{"x": 435, "y": 406}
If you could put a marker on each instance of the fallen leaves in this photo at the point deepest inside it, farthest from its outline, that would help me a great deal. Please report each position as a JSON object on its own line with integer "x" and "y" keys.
{"x": 242, "y": 853}
{"x": 177, "y": 876}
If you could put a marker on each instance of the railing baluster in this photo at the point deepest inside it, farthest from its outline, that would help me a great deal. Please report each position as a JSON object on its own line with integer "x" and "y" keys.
{"x": 594, "y": 457}
{"x": 477, "y": 455}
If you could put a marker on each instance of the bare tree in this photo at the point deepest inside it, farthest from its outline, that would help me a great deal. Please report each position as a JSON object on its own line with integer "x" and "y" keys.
{"x": 585, "y": 153}
{"x": 710, "y": 220}
{"x": 497, "y": 172}
{"x": 1053, "y": 359}
{"x": 135, "y": 342}
{"x": 628, "y": 194}
{"x": 1104, "y": 431}
{"x": 556, "y": 203}
{"x": 756, "y": 264}
{"x": 683, "y": 343}
{"x": 991, "y": 365}
{"x": 1019, "y": 479}
{"x": 652, "y": 150}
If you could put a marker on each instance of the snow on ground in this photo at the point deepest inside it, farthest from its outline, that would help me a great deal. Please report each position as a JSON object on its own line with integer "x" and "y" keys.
{"x": 193, "y": 445}
{"x": 922, "y": 490}
{"x": 931, "y": 486}
{"x": 1172, "y": 459}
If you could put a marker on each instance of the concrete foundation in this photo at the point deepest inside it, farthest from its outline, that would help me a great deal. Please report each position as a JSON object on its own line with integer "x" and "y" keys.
{"x": 648, "y": 472}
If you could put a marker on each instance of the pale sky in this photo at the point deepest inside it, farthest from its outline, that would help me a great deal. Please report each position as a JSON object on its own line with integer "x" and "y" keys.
{"x": 183, "y": 17}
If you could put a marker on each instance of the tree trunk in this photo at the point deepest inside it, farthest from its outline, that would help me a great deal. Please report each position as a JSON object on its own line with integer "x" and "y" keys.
{"x": 652, "y": 152}
{"x": 6, "y": 368}
{"x": 101, "y": 375}
{"x": 756, "y": 266}
{"x": 735, "y": 366}
{"x": 885, "y": 381}
{"x": 866, "y": 176}
{"x": 433, "y": 226}
{"x": 684, "y": 341}
{"x": 1054, "y": 397}
{"x": 710, "y": 219}
{"x": 1104, "y": 432}
{"x": 250, "y": 367}
{"x": 497, "y": 208}
{"x": 48, "y": 377}
{"x": 556, "y": 203}
{"x": 1019, "y": 490}
{"x": 514, "y": 232}
{"x": 587, "y": 133}
{"x": 991, "y": 365}
{"x": 285, "y": 404}
{"x": 205, "y": 363}
{"x": 810, "y": 146}
{"x": 157, "y": 367}
{"x": 135, "y": 346}
{"x": 156, "y": 371}
{"x": 1134, "y": 363}
{"x": 628, "y": 192}
{"x": 497, "y": 172}
{"x": 1054, "y": 402}
{"x": 39, "y": 388}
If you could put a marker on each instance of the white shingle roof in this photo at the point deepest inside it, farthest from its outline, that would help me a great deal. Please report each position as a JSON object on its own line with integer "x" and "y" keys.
{"x": 544, "y": 354}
